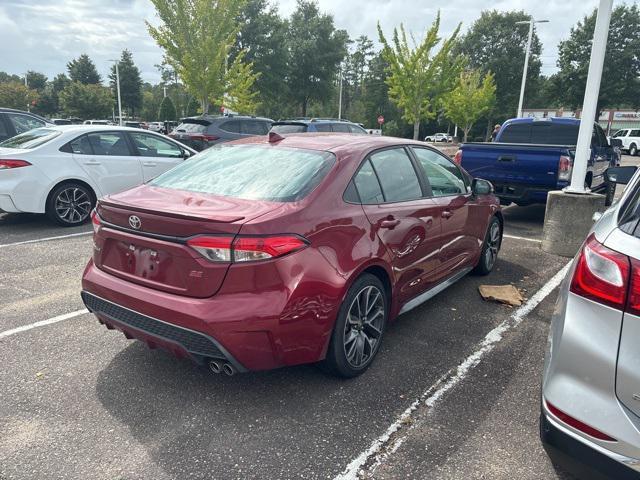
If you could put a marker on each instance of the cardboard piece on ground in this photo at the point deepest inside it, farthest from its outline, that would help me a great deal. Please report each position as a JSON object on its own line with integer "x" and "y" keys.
{"x": 507, "y": 294}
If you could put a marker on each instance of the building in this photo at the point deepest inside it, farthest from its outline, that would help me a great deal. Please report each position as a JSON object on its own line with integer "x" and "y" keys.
{"x": 610, "y": 120}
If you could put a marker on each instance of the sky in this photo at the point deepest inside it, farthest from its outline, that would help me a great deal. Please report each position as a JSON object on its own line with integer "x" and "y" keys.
{"x": 43, "y": 35}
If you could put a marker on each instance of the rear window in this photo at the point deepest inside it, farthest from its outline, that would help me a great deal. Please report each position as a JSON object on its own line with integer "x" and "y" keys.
{"x": 516, "y": 133}
{"x": 31, "y": 139}
{"x": 541, "y": 133}
{"x": 250, "y": 172}
{"x": 189, "y": 127}
{"x": 289, "y": 128}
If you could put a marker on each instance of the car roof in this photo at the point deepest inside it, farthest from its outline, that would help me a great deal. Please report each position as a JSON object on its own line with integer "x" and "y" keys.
{"x": 15, "y": 110}
{"x": 559, "y": 120}
{"x": 212, "y": 118}
{"x": 338, "y": 143}
{"x": 308, "y": 121}
{"x": 92, "y": 128}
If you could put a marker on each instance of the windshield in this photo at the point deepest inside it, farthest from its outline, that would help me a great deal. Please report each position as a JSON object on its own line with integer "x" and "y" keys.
{"x": 31, "y": 139}
{"x": 620, "y": 133}
{"x": 250, "y": 172}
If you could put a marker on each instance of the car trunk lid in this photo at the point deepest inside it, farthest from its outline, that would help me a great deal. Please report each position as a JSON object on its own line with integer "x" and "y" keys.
{"x": 143, "y": 234}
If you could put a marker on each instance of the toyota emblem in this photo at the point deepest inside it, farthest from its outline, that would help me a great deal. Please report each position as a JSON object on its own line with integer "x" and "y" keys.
{"x": 135, "y": 222}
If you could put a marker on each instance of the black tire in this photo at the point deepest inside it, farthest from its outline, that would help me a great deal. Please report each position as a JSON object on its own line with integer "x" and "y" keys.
{"x": 609, "y": 193}
{"x": 70, "y": 204}
{"x": 490, "y": 248}
{"x": 633, "y": 150}
{"x": 350, "y": 333}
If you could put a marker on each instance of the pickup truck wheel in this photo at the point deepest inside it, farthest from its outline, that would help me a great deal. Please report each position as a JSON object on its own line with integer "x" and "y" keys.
{"x": 633, "y": 150}
{"x": 490, "y": 248}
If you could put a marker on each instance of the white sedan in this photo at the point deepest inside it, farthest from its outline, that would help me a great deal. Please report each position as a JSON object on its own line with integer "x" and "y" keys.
{"x": 62, "y": 170}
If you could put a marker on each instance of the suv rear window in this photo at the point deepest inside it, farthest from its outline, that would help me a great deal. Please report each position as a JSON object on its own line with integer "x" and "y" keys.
{"x": 191, "y": 127}
{"x": 250, "y": 172}
{"x": 31, "y": 139}
{"x": 289, "y": 128}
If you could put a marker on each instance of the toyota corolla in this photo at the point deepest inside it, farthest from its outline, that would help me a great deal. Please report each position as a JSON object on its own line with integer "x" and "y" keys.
{"x": 278, "y": 251}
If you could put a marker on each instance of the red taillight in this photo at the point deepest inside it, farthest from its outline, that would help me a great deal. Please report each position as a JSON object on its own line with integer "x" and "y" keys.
{"x": 578, "y": 425}
{"x": 245, "y": 249}
{"x": 633, "y": 304}
{"x": 204, "y": 138}
{"x": 601, "y": 275}
{"x": 565, "y": 165}
{"x": 95, "y": 221}
{"x": 457, "y": 159}
{"x": 11, "y": 163}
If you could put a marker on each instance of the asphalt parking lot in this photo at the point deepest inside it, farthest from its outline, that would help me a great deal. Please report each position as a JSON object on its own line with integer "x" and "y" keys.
{"x": 453, "y": 394}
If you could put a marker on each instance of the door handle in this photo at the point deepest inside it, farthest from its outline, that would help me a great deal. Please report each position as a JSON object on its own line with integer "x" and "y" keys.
{"x": 447, "y": 214}
{"x": 389, "y": 223}
{"x": 506, "y": 158}
{"x": 150, "y": 164}
{"x": 92, "y": 162}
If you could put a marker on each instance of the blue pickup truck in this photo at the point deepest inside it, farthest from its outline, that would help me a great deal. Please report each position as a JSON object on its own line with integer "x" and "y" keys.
{"x": 531, "y": 157}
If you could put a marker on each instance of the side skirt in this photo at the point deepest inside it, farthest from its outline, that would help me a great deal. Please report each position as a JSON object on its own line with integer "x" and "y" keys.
{"x": 429, "y": 294}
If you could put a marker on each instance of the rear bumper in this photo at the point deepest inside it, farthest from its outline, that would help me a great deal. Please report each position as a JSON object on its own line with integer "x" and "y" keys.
{"x": 261, "y": 329}
{"x": 524, "y": 194}
{"x": 583, "y": 459}
{"x": 7, "y": 205}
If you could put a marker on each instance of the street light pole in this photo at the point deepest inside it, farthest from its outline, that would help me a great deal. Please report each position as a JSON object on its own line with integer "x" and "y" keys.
{"x": 591, "y": 93}
{"x": 118, "y": 90}
{"x": 526, "y": 60}
{"x": 340, "y": 99}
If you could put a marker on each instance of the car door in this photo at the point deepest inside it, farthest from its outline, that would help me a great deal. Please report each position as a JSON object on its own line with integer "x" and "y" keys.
{"x": 452, "y": 195}
{"x": 156, "y": 155}
{"x": 108, "y": 160}
{"x": 393, "y": 199}
{"x": 602, "y": 156}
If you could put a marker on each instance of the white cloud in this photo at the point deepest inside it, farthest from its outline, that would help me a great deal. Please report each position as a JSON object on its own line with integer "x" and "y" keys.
{"x": 43, "y": 35}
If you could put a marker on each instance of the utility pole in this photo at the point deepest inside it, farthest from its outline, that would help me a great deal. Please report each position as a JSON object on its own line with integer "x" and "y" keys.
{"x": 118, "y": 89}
{"x": 591, "y": 93}
{"x": 526, "y": 60}
{"x": 27, "y": 85}
{"x": 340, "y": 99}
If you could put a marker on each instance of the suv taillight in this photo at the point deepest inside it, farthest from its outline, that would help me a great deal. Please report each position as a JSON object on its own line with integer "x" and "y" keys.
{"x": 565, "y": 165}
{"x": 95, "y": 221}
{"x": 457, "y": 159}
{"x": 633, "y": 304}
{"x": 204, "y": 138}
{"x": 602, "y": 275}
{"x": 245, "y": 249}
{"x": 11, "y": 163}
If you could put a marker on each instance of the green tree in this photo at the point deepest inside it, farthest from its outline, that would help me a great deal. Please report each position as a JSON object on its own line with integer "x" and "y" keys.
{"x": 376, "y": 101}
{"x": 86, "y": 100}
{"x": 130, "y": 83}
{"x": 494, "y": 43}
{"x": 416, "y": 75}
{"x": 83, "y": 70}
{"x": 196, "y": 37}
{"x": 262, "y": 36}
{"x": 316, "y": 49}
{"x": 241, "y": 96}
{"x": 7, "y": 77}
{"x": 16, "y": 95}
{"x": 167, "y": 110}
{"x": 471, "y": 98}
{"x": 620, "y": 85}
{"x": 36, "y": 80}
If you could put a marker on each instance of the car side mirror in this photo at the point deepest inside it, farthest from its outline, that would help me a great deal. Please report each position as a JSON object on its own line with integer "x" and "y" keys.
{"x": 481, "y": 187}
{"x": 615, "y": 142}
{"x": 186, "y": 154}
{"x": 621, "y": 175}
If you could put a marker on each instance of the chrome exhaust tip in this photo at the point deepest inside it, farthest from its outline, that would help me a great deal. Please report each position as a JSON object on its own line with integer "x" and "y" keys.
{"x": 215, "y": 366}
{"x": 228, "y": 369}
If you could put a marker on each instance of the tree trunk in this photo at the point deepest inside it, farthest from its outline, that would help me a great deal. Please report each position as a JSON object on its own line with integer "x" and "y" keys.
{"x": 304, "y": 107}
{"x": 466, "y": 131}
{"x": 487, "y": 134}
{"x": 416, "y": 129}
{"x": 205, "y": 105}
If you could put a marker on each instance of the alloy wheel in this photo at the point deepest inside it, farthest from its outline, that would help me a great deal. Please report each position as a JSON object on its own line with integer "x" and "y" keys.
{"x": 493, "y": 245}
{"x": 363, "y": 328}
{"x": 73, "y": 205}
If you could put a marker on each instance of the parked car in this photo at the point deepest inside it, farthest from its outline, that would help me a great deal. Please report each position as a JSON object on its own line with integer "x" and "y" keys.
{"x": 630, "y": 139}
{"x": 135, "y": 124}
{"x": 439, "y": 137}
{"x": 14, "y": 122}
{"x": 590, "y": 413}
{"x": 62, "y": 170}
{"x": 531, "y": 157}
{"x": 97, "y": 122}
{"x": 317, "y": 125}
{"x": 204, "y": 131}
{"x": 156, "y": 126}
{"x": 277, "y": 251}
{"x": 61, "y": 121}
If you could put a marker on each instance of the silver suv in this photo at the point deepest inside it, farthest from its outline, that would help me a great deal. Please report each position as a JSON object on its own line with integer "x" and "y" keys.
{"x": 590, "y": 413}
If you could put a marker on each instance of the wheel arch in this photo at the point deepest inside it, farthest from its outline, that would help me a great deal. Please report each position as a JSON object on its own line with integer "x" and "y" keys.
{"x": 84, "y": 183}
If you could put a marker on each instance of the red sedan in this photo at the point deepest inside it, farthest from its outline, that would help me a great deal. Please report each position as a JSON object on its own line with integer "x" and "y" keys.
{"x": 277, "y": 251}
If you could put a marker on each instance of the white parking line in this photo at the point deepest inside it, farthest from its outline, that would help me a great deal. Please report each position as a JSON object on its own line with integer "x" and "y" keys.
{"x": 46, "y": 239}
{"x": 385, "y": 445}
{"x": 42, "y": 323}
{"x": 515, "y": 237}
